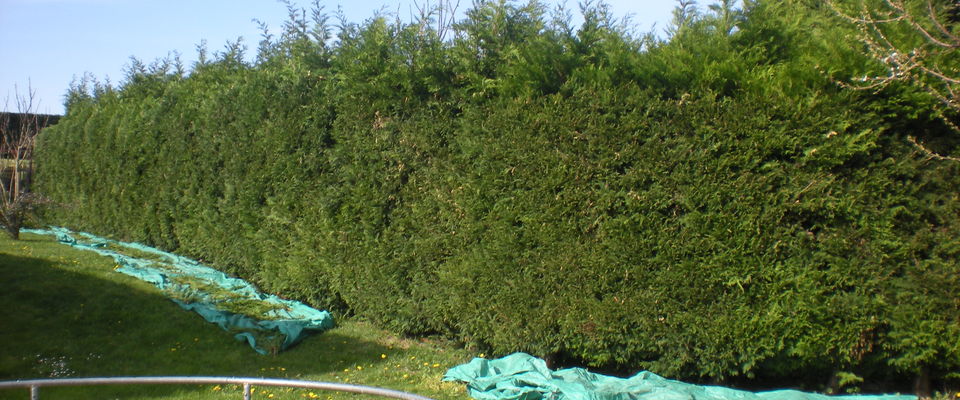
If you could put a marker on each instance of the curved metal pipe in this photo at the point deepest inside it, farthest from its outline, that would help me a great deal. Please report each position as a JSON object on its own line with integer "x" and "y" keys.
{"x": 35, "y": 384}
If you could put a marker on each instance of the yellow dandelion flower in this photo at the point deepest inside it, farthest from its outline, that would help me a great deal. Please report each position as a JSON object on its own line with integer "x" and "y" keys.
{"x": 482, "y": 355}
{"x": 283, "y": 369}
{"x": 270, "y": 396}
{"x": 359, "y": 368}
{"x": 436, "y": 365}
{"x": 346, "y": 370}
{"x": 217, "y": 388}
{"x": 405, "y": 376}
{"x": 312, "y": 395}
{"x": 383, "y": 356}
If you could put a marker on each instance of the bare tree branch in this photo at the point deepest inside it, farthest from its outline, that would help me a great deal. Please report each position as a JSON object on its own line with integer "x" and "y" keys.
{"x": 18, "y": 131}
{"x": 915, "y": 47}
{"x": 930, "y": 153}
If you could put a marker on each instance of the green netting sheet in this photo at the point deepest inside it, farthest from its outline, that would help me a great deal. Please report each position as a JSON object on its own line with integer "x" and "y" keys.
{"x": 267, "y": 323}
{"x": 523, "y": 377}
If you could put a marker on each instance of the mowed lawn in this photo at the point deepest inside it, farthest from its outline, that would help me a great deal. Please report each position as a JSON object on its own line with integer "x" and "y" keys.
{"x": 67, "y": 313}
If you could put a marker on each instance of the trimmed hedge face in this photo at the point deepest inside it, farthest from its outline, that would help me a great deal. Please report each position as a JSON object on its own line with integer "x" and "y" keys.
{"x": 562, "y": 194}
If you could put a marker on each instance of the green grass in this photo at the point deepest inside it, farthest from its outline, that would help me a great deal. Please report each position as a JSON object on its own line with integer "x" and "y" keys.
{"x": 69, "y": 314}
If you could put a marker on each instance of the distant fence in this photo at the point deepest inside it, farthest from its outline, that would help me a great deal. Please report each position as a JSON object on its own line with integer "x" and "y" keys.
{"x": 34, "y": 385}
{"x": 12, "y": 125}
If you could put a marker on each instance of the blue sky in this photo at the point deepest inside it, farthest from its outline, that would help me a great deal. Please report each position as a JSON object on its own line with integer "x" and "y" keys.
{"x": 47, "y": 43}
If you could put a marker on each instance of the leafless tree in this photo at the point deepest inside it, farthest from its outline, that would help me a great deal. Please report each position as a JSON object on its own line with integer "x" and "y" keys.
{"x": 18, "y": 132}
{"x": 916, "y": 42}
{"x": 443, "y": 14}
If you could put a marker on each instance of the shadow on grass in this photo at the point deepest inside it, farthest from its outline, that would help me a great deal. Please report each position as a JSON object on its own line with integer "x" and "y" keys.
{"x": 77, "y": 321}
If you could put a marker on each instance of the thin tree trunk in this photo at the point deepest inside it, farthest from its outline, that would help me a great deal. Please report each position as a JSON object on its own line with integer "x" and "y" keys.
{"x": 12, "y": 226}
{"x": 921, "y": 385}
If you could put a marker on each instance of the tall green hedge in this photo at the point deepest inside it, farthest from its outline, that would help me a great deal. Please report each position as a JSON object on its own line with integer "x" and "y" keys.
{"x": 707, "y": 206}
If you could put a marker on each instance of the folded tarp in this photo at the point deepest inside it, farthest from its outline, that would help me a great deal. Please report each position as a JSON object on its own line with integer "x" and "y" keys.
{"x": 273, "y": 325}
{"x": 523, "y": 377}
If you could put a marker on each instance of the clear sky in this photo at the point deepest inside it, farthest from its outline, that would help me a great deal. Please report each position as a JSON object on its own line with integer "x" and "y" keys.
{"x": 45, "y": 44}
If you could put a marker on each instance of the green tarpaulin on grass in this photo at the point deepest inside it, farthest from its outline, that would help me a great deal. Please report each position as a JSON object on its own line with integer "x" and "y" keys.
{"x": 523, "y": 377}
{"x": 267, "y": 322}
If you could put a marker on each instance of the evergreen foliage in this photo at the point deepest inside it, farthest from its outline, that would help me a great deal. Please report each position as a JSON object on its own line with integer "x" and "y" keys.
{"x": 708, "y": 206}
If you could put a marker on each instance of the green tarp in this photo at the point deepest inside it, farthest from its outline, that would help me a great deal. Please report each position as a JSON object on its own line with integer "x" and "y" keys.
{"x": 523, "y": 377}
{"x": 266, "y": 322}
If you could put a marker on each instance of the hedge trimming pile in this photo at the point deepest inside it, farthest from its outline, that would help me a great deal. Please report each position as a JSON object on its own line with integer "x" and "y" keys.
{"x": 267, "y": 323}
{"x": 708, "y": 206}
{"x": 520, "y": 376}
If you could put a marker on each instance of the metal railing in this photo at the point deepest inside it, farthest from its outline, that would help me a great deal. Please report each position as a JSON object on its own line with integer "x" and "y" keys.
{"x": 35, "y": 384}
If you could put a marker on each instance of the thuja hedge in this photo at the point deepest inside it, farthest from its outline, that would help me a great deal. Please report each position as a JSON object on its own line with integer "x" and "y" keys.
{"x": 579, "y": 194}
